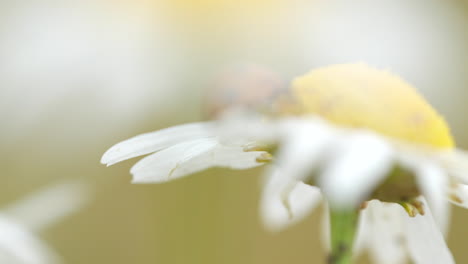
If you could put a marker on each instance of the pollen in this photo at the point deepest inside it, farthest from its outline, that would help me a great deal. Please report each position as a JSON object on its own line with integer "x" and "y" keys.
{"x": 358, "y": 96}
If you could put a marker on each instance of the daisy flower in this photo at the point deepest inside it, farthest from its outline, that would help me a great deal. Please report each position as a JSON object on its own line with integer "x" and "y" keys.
{"x": 361, "y": 139}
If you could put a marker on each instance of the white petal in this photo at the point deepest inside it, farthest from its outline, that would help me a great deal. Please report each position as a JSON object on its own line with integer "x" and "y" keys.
{"x": 433, "y": 181}
{"x": 22, "y": 246}
{"x": 160, "y": 166}
{"x": 50, "y": 205}
{"x": 303, "y": 147}
{"x": 381, "y": 232}
{"x": 434, "y": 185}
{"x": 240, "y": 128}
{"x": 459, "y": 195}
{"x": 232, "y": 157}
{"x": 190, "y": 157}
{"x": 426, "y": 243}
{"x": 285, "y": 201}
{"x": 247, "y": 128}
{"x": 388, "y": 232}
{"x": 155, "y": 141}
{"x": 360, "y": 163}
{"x": 456, "y": 163}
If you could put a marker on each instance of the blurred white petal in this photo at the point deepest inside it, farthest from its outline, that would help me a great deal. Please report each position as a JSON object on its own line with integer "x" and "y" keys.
{"x": 434, "y": 186}
{"x": 433, "y": 182}
{"x": 23, "y": 247}
{"x": 286, "y": 201}
{"x": 456, "y": 163}
{"x": 390, "y": 234}
{"x": 381, "y": 232}
{"x": 37, "y": 211}
{"x": 238, "y": 125}
{"x": 459, "y": 195}
{"x": 361, "y": 162}
{"x": 50, "y": 205}
{"x": 426, "y": 243}
{"x": 154, "y": 141}
{"x": 304, "y": 147}
{"x": 190, "y": 157}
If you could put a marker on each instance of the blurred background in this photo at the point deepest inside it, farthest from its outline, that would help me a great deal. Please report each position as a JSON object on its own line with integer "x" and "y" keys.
{"x": 78, "y": 76}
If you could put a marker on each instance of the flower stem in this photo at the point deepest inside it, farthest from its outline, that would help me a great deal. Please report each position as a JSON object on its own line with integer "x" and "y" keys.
{"x": 343, "y": 229}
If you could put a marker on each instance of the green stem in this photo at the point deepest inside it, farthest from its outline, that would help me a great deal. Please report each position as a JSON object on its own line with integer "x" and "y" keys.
{"x": 343, "y": 229}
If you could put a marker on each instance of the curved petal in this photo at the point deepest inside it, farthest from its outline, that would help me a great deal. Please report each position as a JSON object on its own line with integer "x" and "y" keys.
{"x": 193, "y": 156}
{"x": 303, "y": 147}
{"x": 426, "y": 243}
{"x": 359, "y": 164}
{"x": 238, "y": 127}
{"x": 389, "y": 234}
{"x": 456, "y": 163}
{"x": 286, "y": 201}
{"x": 155, "y": 141}
{"x": 49, "y": 205}
{"x": 381, "y": 232}
{"x": 22, "y": 246}
{"x": 459, "y": 195}
{"x": 434, "y": 185}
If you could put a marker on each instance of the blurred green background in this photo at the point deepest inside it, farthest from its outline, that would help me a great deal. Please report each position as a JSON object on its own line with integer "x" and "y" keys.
{"x": 78, "y": 77}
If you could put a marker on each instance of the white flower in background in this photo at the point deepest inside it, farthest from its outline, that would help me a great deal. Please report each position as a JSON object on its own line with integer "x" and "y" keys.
{"x": 348, "y": 133}
{"x": 20, "y": 222}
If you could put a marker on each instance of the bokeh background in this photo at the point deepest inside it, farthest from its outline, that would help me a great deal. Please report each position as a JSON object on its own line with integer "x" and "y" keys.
{"x": 78, "y": 76}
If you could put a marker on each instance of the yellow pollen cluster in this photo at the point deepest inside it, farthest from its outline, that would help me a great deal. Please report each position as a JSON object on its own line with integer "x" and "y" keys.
{"x": 358, "y": 96}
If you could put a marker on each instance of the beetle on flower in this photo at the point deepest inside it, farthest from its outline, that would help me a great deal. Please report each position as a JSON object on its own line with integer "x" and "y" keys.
{"x": 360, "y": 138}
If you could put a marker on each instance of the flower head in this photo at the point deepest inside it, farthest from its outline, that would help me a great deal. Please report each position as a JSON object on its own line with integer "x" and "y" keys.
{"x": 358, "y": 96}
{"x": 348, "y": 133}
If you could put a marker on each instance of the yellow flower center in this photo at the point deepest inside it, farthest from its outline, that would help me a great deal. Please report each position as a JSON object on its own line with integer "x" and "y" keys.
{"x": 356, "y": 95}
